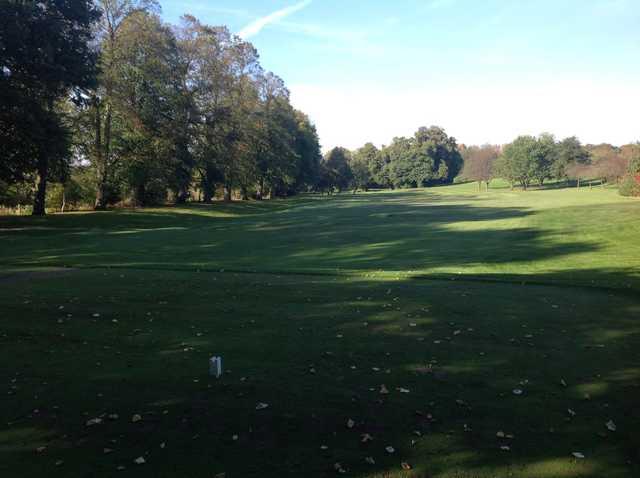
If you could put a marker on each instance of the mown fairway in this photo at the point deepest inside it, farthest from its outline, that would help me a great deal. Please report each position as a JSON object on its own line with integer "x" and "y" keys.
{"x": 448, "y": 297}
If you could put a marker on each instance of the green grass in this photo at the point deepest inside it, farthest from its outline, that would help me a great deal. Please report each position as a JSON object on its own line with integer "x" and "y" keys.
{"x": 457, "y": 296}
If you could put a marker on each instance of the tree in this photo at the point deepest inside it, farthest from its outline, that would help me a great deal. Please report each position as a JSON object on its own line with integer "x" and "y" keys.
{"x": 606, "y": 162}
{"x": 307, "y": 148}
{"x": 527, "y": 159}
{"x": 338, "y": 171}
{"x": 545, "y": 156}
{"x": 105, "y": 121}
{"x": 630, "y": 185}
{"x": 479, "y": 163}
{"x": 429, "y": 157}
{"x": 578, "y": 172}
{"x": 442, "y": 151}
{"x": 46, "y": 54}
{"x": 363, "y": 160}
{"x": 569, "y": 151}
{"x": 147, "y": 97}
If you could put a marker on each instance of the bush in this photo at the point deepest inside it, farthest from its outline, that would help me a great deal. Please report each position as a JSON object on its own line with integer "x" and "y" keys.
{"x": 16, "y": 196}
{"x": 630, "y": 185}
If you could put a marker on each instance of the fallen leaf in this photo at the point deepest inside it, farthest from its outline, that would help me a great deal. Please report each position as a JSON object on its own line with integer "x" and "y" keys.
{"x": 517, "y": 391}
{"x": 262, "y": 406}
{"x": 390, "y": 449}
{"x": 338, "y": 468}
{"x": 578, "y": 455}
{"x": 94, "y": 421}
{"x": 365, "y": 438}
{"x": 140, "y": 460}
{"x": 136, "y": 418}
{"x": 383, "y": 390}
{"x": 611, "y": 426}
{"x": 405, "y": 465}
{"x": 350, "y": 423}
{"x": 370, "y": 460}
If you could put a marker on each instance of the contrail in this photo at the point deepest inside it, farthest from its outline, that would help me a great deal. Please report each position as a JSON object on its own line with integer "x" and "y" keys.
{"x": 254, "y": 27}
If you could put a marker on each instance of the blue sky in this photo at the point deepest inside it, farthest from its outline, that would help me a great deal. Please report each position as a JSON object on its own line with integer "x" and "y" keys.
{"x": 486, "y": 71}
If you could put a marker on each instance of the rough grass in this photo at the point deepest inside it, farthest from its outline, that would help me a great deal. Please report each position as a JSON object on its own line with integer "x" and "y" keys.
{"x": 457, "y": 296}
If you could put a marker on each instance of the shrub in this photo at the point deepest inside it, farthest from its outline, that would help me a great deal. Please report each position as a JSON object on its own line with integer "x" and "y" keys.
{"x": 630, "y": 185}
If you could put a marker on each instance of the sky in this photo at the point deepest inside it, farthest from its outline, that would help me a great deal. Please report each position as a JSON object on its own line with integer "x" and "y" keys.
{"x": 486, "y": 71}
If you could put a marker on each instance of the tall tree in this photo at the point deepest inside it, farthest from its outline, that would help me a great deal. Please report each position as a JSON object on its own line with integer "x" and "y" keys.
{"x": 336, "y": 164}
{"x": 479, "y": 163}
{"x": 307, "y": 148}
{"x": 429, "y": 157}
{"x": 46, "y": 54}
{"x": 104, "y": 156}
{"x": 527, "y": 159}
{"x": 569, "y": 151}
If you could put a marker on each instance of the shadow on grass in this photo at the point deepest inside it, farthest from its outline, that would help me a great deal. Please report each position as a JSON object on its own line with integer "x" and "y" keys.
{"x": 460, "y": 346}
{"x": 399, "y": 231}
{"x": 300, "y": 344}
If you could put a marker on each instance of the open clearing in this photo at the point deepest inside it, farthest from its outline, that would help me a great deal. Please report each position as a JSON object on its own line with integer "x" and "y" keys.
{"x": 450, "y": 298}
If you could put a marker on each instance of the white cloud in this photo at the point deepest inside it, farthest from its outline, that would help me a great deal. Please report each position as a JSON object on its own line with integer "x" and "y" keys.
{"x": 256, "y": 26}
{"x": 595, "y": 111}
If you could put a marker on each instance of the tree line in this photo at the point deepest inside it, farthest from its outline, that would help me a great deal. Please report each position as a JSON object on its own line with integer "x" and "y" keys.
{"x": 112, "y": 105}
{"x": 532, "y": 160}
{"x": 431, "y": 157}
{"x": 427, "y": 158}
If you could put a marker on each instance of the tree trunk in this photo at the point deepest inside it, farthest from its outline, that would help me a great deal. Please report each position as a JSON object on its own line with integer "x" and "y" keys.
{"x": 41, "y": 190}
{"x": 260, "y": 193}
{"x": 244, "y": 193}
{"x": 227, "y": 193}
{"x": 100, "y": 173}
{"x": 64, "y": 199}
{"x": 181, "y": 197}
{"x": 207, "y": 193}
